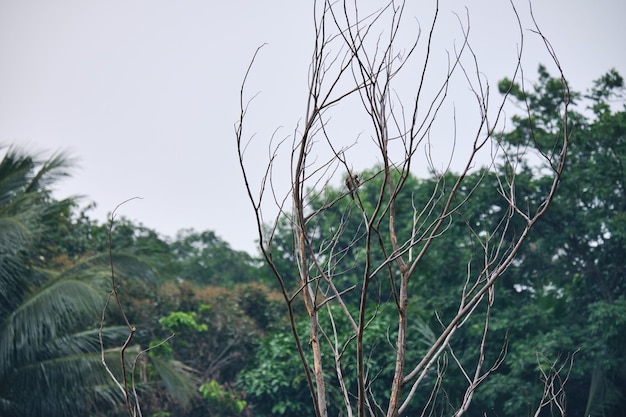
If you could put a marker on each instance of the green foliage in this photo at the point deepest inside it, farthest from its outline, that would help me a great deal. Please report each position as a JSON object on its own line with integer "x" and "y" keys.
{"x": 179, "y": 320}
{"x": 546, "y": 104}
{"x": 607, "y": 87}
{"x": 221, "y": 402}
{"x": 160, "y": 348}
{"x": 215, "y": 332}
{"x": 204, "y": 258}
{"x": 275, "y": 382}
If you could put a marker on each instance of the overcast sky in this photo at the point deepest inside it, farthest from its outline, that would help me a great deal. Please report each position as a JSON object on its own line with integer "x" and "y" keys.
{"x": 145, "y": 92}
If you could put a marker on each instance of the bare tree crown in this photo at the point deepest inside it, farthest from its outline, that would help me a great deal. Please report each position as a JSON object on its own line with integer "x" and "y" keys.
{"x": 357, "y": 61}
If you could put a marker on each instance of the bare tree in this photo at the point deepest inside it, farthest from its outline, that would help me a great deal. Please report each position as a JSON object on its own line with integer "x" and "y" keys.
{"x": 359, "y": 61}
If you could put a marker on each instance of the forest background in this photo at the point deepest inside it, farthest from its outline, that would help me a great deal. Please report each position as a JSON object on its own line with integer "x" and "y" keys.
{"x": 232, "y": 352}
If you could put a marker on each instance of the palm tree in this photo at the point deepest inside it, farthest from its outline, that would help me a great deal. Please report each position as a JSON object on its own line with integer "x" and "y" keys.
{"x": 49, "y": 349}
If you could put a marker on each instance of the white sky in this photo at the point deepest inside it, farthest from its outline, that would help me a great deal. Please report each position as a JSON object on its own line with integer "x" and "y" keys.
{"x": 145, "y": 92}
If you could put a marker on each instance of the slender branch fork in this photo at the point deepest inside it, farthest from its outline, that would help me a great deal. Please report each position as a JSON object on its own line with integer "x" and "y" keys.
{"x": 358, "y": 58}
{"x": 125, "y": 382}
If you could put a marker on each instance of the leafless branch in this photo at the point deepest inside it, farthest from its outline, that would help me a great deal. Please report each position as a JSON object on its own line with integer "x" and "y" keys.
{"x": 358, "y": 59}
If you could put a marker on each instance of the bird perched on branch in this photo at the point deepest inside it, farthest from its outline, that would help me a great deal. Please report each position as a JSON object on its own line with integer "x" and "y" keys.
{"x": 352, "y": 183}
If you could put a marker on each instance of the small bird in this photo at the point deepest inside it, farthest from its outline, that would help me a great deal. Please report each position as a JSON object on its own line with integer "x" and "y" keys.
{"x": 352, "y": 183}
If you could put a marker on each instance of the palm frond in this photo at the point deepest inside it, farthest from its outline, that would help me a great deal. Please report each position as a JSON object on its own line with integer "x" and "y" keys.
{"x": 84, "y": 341}
{"x": 63, "y": 385}
{"x": 9, "y": 408}
{"x": 178, "y": 378}
{"x": 15, "y": 174}
{"x": 48, "y": 313}
{"x": 14, "y": 237}
{"x": 54, "y": 168}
